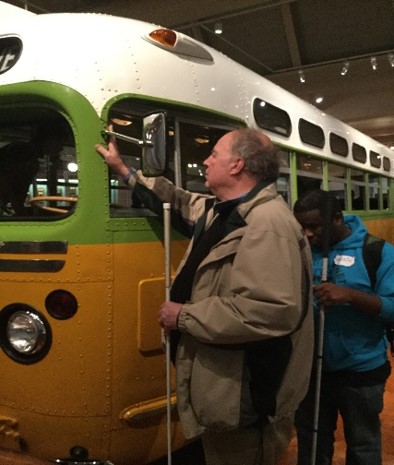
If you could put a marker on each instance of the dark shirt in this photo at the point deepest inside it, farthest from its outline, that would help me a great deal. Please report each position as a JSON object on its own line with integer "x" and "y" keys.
{"x": 203, "y": 242}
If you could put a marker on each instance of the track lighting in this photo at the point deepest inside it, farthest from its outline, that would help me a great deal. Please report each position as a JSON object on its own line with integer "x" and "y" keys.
{"x": 301, "y": 76}
{"x": 218, "y": 28}
{"x": 374, "y": 63}
{"x": 345, "y": 68}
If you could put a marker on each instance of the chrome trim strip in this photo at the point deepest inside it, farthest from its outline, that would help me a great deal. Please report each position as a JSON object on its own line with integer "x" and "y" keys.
{"x": 31, "y": 266}
{"x": 33, "y": 247}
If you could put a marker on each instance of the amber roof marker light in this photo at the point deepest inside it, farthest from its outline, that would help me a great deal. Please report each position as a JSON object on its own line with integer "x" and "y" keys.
{"x": 178, "y": 43}
{"x": 165, "y": 37}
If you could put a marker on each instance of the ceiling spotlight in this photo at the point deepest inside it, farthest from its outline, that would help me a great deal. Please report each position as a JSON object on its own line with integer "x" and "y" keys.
{"x": 345, "y": 68}
{"x": 391, "y": 59}
{"x": 374, "y": 63}
{"x": 319, "y": 99}
{"x": 218, "y": 28}
{"x": 301, "y": 76}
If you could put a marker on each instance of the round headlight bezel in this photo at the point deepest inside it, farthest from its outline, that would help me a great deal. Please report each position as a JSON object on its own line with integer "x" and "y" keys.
{"x": 25, "y": 334}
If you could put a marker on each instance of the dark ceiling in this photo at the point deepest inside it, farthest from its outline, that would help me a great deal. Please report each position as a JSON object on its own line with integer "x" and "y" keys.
{"x": 280, "y": 38}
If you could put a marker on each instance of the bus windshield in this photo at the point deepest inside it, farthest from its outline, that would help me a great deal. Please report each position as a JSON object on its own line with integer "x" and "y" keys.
{"x": 38, "y": 169}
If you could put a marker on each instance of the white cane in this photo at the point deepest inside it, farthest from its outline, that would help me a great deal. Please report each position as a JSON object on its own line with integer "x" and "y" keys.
{"x": 320, "y": 341}
{"x": 167, "y": 251}
{"x": 318, "y": 372}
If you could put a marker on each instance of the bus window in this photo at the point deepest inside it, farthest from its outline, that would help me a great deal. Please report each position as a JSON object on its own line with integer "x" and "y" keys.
{"x": 38, "y": 169}
{"x": 196, "y": 144}
{"x": 309, "y": 173}
{"x": 311, "y": 133}
{"x": 359, "y": 153}
{"x": 283, "y": 183}
{"x": 373, "y": 189}
{"x": 339, "y": 145}
{"x": 122, "y": 199}
{"x": 188, "y": 145}
{"x": 358, "y": 189}
{"x": 271, "y": 117}
{"x": 386, "y": 193}
{"x": 386, "y": 164}
{"x": 337, "y": 183}
{"x": 375, "y": 159}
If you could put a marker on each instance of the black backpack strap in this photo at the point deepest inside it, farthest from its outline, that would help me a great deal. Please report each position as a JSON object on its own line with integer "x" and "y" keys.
{"x": 372, "y": 255}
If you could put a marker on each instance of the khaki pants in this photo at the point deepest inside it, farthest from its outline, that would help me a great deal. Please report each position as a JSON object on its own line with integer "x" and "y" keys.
{"x": 254, "y": 445}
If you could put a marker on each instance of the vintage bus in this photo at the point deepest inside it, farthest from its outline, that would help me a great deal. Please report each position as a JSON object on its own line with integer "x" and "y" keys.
{"x": 81, "y": 260}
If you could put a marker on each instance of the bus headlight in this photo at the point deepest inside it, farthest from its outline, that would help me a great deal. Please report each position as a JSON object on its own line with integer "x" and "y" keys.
{"x": 25, "y": 334}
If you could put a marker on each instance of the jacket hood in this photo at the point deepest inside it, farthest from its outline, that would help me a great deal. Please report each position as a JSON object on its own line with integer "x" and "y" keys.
{"x": 356, "y": 238}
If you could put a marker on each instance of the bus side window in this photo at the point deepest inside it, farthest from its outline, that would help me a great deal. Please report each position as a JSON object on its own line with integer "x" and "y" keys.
{"x": 283, "y": 182}
{"x": 123, "y": 201}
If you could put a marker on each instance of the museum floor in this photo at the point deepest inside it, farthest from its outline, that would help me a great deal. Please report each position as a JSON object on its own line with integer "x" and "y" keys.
{"x": 387, "y": 432}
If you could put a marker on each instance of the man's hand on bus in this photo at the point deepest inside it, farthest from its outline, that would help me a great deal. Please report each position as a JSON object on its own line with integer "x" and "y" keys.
{"x": 168, "y": 315}
{"x": 112, "y": 157}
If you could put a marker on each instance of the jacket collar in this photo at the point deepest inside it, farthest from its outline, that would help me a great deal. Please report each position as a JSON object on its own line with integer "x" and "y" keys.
{"x": 243, "y": 205}
{"x": 240, "y": 206}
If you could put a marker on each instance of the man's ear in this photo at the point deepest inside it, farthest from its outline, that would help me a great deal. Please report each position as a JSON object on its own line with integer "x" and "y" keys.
{"x": 338, "y": 219}
{"x": 237, "y": 166}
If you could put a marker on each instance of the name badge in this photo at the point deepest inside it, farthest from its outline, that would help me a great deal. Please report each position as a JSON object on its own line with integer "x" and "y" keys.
{"x": 344, "y": 260}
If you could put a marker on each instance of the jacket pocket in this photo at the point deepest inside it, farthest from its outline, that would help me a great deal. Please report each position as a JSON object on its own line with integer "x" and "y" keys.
{"x": 216, "y": 388}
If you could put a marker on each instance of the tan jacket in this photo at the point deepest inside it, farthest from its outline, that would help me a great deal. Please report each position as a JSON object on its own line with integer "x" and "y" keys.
{"x": 251, "y": 288}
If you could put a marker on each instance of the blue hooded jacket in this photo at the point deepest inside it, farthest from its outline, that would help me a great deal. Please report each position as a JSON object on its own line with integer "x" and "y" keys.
{"x": 353, "y": 340}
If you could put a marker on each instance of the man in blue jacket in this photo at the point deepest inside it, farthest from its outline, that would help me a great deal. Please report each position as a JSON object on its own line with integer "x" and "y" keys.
{"x": 355, "y": 365}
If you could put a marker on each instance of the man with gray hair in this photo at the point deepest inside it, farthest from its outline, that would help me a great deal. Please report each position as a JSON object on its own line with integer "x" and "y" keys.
{"x": 240, "y": 302}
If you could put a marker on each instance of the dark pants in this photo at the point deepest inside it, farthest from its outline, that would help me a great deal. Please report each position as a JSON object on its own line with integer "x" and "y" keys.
{"x": 255, "y": 445}
{"x": 359, "y": 408}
